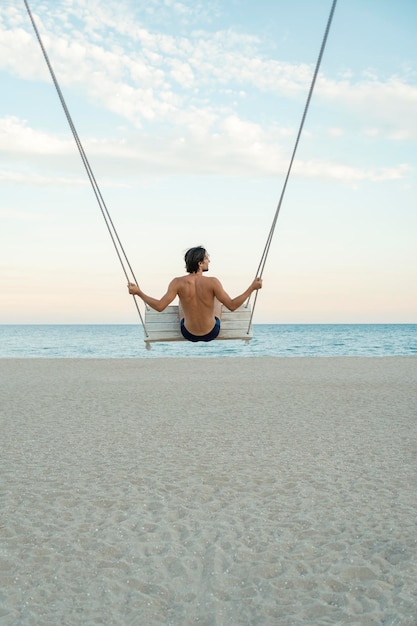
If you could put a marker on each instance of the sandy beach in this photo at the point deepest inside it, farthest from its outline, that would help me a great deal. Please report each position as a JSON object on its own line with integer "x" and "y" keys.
{"x": 247, "y": 491}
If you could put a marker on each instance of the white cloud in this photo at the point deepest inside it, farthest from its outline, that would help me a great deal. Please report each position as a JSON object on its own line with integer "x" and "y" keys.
{"x": 335, "y": 132}
{"x": 349, "y": 174}
{"x": 149, "y": 76}
{"x": 391, "y": 104}
{"x": 242, "y": 148}
{"x": 17, "y": 137}
{"x": 38, "y": 180}
{"x": 182, "y": 74}
{"x": 18, "y": 54}
{"x": 17, "y": 215}
{"x": 193, "y": 86}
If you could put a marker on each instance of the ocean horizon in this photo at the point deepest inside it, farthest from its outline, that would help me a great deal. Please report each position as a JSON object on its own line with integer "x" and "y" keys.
{"x": 282, "y": 340}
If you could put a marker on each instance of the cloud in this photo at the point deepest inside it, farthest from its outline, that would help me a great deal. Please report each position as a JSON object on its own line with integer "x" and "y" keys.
{"x": 388, "y": 105}
{"x": 349, "y": 174}
{"x": 17, "y": 137}
{"x": 17, "y": 215}
{"x": 241, "y": 148}
{"x": 34, "y": 179}
{"x": 143, "y": 75}
{"x": 181, "y": 96}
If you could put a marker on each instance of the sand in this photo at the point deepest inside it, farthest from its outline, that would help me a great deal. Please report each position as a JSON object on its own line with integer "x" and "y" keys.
{"x": 208, "y": 491}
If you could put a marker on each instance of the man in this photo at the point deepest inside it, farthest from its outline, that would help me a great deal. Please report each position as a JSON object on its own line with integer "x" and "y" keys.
{"x": 200, "y": 297}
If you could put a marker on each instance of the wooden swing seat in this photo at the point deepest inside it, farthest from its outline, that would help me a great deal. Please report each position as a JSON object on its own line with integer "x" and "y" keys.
{"x": 165, "y": 326}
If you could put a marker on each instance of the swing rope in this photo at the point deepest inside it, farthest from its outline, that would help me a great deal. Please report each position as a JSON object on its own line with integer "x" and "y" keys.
{"x": 265, "y": 252}
{"x": 121, "y": 254}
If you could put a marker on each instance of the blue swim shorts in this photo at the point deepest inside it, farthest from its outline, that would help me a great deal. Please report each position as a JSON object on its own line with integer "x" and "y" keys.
{"x": 213, "y": 334}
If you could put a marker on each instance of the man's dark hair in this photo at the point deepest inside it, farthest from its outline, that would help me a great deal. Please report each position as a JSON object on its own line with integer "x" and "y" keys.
{"x": 193, "y": 257}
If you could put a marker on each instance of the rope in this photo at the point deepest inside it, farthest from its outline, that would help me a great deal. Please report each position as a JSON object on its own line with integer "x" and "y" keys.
{"x": 265, "y": 252}
{"x": 121, "y": 254}
{"x": 102, "y": 205}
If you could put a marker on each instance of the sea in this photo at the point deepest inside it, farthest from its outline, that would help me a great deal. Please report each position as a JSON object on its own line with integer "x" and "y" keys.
{"x": 115, "y": 341}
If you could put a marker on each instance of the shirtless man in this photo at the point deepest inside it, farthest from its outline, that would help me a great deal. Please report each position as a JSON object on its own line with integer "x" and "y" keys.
{"x": 200, "y": 297}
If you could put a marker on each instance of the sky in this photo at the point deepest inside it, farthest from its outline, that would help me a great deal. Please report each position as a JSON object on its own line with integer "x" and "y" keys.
{"x": 188, "y": 111}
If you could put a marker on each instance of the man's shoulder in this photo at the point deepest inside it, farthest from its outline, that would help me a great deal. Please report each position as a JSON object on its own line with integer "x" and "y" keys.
{"x": 192, "y": 276}
{"x": 188, "y": 278}
{"x": 181, "y": 279}
{"x": 213, "y": 279}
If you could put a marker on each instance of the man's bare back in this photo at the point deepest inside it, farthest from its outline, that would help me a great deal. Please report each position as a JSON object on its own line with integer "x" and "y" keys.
{"x": 199, "y": 295}
{"x": 197, "y": 303}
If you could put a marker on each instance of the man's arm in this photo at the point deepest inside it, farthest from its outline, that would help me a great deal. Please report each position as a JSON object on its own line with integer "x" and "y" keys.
{"x": 154, "y": 303}
{"x": 234, "y": 303}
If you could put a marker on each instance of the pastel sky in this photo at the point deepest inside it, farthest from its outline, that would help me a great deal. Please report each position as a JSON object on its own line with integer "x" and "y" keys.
{"x": 188, "y": 111}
